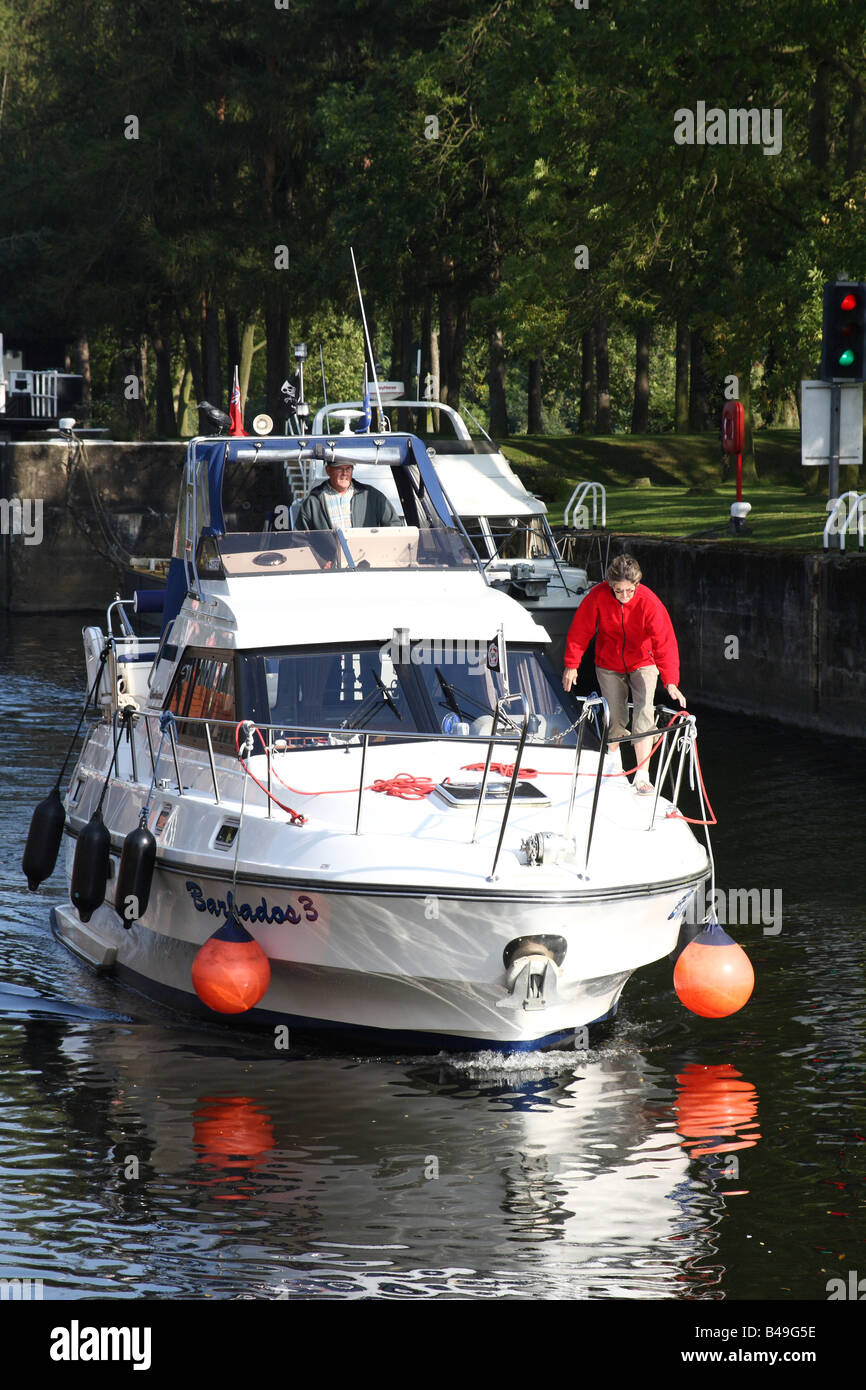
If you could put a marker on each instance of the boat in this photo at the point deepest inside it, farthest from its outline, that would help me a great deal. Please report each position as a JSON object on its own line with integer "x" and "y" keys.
{"x": 351, "y": 750}
{"x": 506, "y": 523}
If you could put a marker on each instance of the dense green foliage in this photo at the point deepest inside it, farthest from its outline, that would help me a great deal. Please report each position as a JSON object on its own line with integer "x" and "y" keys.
{"x": 154, "y": 158}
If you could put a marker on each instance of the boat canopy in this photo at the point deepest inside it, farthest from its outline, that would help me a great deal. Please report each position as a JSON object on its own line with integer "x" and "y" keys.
{"x": 239, "y": 484}
{"x": 235, "y": 510}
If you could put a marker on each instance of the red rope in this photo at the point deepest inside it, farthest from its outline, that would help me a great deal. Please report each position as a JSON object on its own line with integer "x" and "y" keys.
{"x": 297, "y": 818}
{"x": 504, "y": 769}
{"x": 409, "y": 787}
{"x": 405, "y": 784}
{"x": 675, "y": 815}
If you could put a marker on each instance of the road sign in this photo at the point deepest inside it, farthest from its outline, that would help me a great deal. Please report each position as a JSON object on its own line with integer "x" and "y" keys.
{"x": 817, "y": 422}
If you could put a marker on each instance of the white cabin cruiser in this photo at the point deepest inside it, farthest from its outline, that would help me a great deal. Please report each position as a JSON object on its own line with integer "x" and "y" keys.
{"x": 351, "y": 744}
{"x": 506, "y": 523}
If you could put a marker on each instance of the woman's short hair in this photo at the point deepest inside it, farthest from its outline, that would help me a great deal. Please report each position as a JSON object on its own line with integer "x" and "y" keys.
{"x": 623, "y": 567}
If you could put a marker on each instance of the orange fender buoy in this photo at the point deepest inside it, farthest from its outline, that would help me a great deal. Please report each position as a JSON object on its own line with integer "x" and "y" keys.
{"x": 713, "y": 976}
{"x": 231, "y": 972}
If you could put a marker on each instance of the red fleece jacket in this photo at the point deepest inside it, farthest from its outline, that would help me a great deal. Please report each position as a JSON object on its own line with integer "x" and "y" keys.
{"x": 627, "y": 635}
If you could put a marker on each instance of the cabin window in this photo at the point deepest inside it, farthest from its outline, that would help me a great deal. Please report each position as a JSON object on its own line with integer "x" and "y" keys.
{"x": 204, "y": 688}
{"x": 353, "y": 689}
{"x": 459, "y": 683}
{"x": 519, "y": 538}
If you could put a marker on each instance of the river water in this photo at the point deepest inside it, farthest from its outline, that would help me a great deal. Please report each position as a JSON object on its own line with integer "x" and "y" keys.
{"x": 145, "y": 1156}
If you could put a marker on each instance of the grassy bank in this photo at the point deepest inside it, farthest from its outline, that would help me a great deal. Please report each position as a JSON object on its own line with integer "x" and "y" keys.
{"x": 683, "y": 486}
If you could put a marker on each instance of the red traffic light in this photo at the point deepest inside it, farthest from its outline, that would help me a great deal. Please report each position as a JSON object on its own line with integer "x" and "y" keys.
{"x": 843, "y": 341}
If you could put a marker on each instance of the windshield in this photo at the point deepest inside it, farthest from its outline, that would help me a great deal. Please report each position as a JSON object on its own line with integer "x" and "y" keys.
{"x": 438, "y": 686}
{"x": 304, "y": 552}
{"x": 466, "y": 689}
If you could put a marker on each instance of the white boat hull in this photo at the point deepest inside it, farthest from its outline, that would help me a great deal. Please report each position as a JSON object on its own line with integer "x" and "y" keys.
{"x": 427, "y": 967}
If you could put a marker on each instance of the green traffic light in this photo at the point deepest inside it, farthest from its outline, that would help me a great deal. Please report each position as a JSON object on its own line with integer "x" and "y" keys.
{"x": 847, "y": 358}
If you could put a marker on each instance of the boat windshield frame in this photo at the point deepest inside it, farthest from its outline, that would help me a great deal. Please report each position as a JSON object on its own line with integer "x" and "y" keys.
{"x": 241, "y": 554}
{"x": 202, "y": 543}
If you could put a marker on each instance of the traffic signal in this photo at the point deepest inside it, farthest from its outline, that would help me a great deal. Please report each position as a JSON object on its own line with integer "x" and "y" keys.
{"x": 843, "y": 345}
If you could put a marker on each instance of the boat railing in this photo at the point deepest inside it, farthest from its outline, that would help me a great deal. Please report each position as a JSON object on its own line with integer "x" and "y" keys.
{"x": 672, "y": 740}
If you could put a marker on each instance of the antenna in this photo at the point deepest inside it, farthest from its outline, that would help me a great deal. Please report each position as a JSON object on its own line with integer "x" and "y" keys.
{"x": 366, "y": 331}
{"x": 324, "y": 387}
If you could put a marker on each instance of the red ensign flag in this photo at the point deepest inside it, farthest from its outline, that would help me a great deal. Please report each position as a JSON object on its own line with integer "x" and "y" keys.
{"x": 237, "y": 418}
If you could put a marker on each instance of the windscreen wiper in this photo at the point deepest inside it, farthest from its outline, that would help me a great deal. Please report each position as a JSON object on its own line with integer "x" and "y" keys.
{"x": 452, "y": 691}
{"x": 448, "y": 692}
{"x": 369, "y": 705}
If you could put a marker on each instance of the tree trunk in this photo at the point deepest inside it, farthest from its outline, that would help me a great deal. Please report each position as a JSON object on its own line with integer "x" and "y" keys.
{"x": 405, "y": 359}
{"x": 602, "y": 378}
{"x": 640, "y": 409}
{"x": 233, "y": 343}
{"x": 854, "y": 158}
{"x": 193, "y": 352}
{"x": 701, "y": 386}
{"x": 587, "y": 348}
{"x": 143, "y": 369}
{"x": 166, "y": 423}
{"x": 435, "y": 365}
{"x": 452, "y": 341}
{"x": 534, "y": 423}
{"x": 750, "y": 474}
{"x": 248, "y": 347}
{"x": 496, "y": 380}
{"x": 820, "y": 116}
{"x": 129, "y": 386}
{"x": 185, "y": 406}
{"x": 276, "y": 370}
{"x": 447, "y": 336}
{"x": 82, "y": 367}
{"x": 214, "y": 380}
{"x": 681, "y": 388}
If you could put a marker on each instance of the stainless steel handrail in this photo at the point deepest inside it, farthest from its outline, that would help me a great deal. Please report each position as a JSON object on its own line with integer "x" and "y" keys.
{"x": 679, "y": 733}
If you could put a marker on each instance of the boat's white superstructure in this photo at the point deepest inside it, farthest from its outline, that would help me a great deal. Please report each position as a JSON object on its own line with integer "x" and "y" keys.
{"x": 506, "y": 523}
{"x": 425, "y": 846}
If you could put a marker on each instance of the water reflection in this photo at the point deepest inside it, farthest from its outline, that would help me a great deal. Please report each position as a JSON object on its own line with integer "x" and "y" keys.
{"x": 570, "y": 1184}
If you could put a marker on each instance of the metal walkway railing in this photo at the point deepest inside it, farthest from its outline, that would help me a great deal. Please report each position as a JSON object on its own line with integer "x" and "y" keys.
{"x": 847, "y": 515}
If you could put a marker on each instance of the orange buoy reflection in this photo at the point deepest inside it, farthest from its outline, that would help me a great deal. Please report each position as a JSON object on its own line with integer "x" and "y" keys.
{"x": 232, "y": 1132}
{"x": 716, "y": 1109}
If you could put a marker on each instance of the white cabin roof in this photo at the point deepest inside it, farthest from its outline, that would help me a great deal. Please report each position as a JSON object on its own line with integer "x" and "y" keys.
{"x": 345, "y": 607}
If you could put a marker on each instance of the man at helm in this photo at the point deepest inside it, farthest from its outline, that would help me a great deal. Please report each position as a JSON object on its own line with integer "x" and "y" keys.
{"x": 340, "y": 503}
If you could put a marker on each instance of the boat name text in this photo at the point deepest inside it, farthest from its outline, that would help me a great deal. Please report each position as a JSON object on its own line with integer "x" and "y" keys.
{"x": 221, "y": 907}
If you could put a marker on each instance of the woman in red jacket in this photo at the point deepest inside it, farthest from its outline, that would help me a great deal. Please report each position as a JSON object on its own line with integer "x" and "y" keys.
{"x": 634, "y": 645}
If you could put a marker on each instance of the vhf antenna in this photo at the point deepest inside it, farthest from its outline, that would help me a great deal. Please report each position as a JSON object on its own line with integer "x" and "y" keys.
{"x": 367, "y": 333}
{"x": 324, "y": 386}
